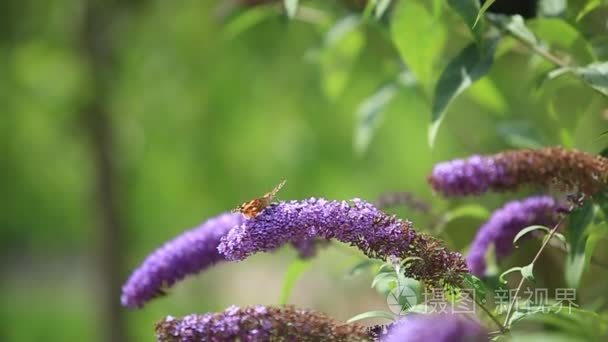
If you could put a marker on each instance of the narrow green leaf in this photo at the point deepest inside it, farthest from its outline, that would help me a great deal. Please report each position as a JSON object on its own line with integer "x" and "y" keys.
{"x": 371, "y": 314}
{"x": 556, "y": 34}
{"x": 602, "y": 198}
{"x": 596, "y": 233}
{"x": 247, "y": 20}
{"x": 410, "y": 21}
{"x": 579, "y": 221}
{"x": 469, "y": 65}
{"x": 361, "y": 266}
{"x": 342, "y": 46}
{"x": 519, "y": 134}
{"x": 486, "y": 94}
{"x": 502, "y": 279}
{"x": 383, "y": 277}
{"x": 483, "y": 10}
{"x": 467, "y": 210}
{"x": 369, "y": 115}
{"x": 381, "y": 7}
{"x": 515, "y": 25}
{"x": 588, "y": 8}
{"x": 295, "y": 270}
{"x": 291, "y": 7}
{"x": 529, "y": 229}
{"x": 577, "y": 324}
{"x": 386, "y": 267}
{"x": 477, "y": 285}
{"x": 469, "y": 10}
{"x": 527, "y": 272}
{"x": 596, "y": 75}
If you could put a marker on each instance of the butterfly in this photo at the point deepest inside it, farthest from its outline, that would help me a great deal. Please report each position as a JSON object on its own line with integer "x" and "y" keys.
{"x": 253, "y": 208}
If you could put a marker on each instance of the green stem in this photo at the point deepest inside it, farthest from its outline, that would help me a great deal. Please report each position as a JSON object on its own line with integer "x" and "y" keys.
{"x": 494, "y": 318}
{"x": 521, "y": 282}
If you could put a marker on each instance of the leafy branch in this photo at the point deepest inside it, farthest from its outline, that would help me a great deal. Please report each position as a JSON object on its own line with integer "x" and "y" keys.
{"x": 523, "y": 279}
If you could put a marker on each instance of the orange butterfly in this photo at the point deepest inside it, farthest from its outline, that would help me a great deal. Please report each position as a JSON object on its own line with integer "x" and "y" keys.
{"x": 254, "y": 207}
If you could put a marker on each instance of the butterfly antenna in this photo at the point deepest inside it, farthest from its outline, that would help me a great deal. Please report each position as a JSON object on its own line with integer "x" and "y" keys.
{"x": 277, "y": 188}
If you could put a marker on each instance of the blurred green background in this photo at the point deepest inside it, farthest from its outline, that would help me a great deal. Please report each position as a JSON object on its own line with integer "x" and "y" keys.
{"x": 124, "y": 123}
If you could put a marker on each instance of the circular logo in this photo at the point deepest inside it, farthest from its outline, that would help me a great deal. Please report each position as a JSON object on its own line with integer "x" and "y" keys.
{"x": 401, "y": 299}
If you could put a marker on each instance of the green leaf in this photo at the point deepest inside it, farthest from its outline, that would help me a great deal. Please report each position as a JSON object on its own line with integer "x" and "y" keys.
{"x": 519, "y": 134}
{"x": 386, "y": 267}
{"x": 529, "y": 229}
{"x": 595, "y": 233}
{"x": 409, "y": 260}
{"x": 596, "y": 75}
{"x": 381, "y": 277}
{"x": 557, "y": 34}
{"x": 467, "y": 210}
{"x": 573, "y": 322}
{"x": 486, "y": 94}
{"x": 411, "y": 21}
{"x": 527, "y": 272}
{"x": 469, "y": 10}
{"x": 552, "y": 8}
{"x": 247, "y": 20}
{"x": 477, "y": 285}
{"x": 602, "y": 201}
{"x": 361, "y": 266}
{"x": 371, "y": 314}
{"x": 483, "y": 10}
{"x": 579, "y": 220}
{"x": 469, "y": 65}
{"x": 369, "y": 114}
{"x": 502, "y": 279}
{"x": 343, "y": 43}
{"x": 516, "y": 26}
{"x": 295, "y": 270}
{"x": 588, "y": 8}
{"x": 291, "y": 7}
{"x": 381, "y": 7}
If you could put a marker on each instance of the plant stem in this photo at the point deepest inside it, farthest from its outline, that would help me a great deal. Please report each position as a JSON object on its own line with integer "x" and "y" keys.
{"x": 544, "y": 53}
{"x": 500, "y": 326}
{"x": 547, "y": 55}
{"x": 521, "y": 282}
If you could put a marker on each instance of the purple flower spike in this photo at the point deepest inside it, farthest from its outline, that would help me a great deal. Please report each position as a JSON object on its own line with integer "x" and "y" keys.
{"x": 356, "y": 222}
{"x": 568, "y": 169}
{"x": 437, "y": 328}
{"x": 258, "y": 323}
{"x": 189, "y": 253}
{"x": 505, "y": 223}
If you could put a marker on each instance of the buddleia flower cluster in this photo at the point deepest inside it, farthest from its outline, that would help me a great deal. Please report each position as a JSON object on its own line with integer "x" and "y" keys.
{"x": 256, "y": 324}
{"x": 355, "y": 222}
{"x": 504, "y": 224}
{"x": 189, "y": 253}
{"x": 570, "y": 170}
